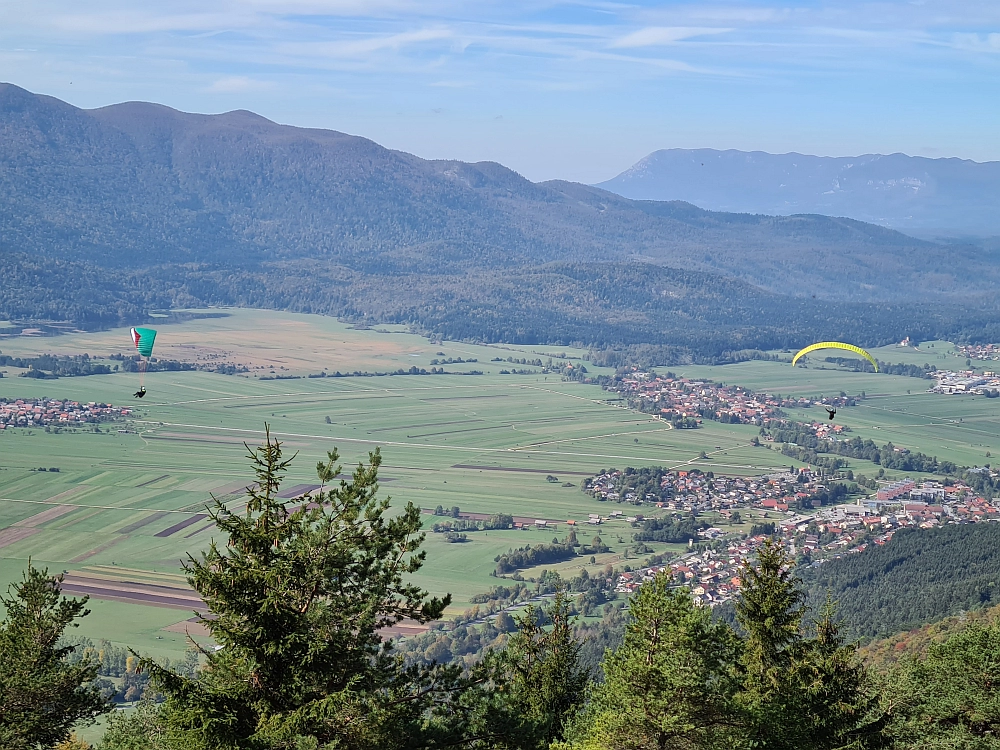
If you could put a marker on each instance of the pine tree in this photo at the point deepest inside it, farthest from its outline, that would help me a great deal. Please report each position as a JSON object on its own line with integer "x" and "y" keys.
{"x": 296, "y": 600}
{"x": 42, "y": 695}
{"x": 842, "y": 704}
{"x": 798, "y": 693}
{"x": 669, "y": 684}
{"x": 536, "y": 683}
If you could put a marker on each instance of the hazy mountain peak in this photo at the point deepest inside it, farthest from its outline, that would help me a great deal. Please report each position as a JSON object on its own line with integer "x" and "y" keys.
{"x": 894, "y": 190}
{"x": 136, "y": 184}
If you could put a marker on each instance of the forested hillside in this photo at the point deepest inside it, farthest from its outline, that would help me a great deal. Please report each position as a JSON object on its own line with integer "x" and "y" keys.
{"x": 110, "y": 213}
{"x": 919, "y": 576}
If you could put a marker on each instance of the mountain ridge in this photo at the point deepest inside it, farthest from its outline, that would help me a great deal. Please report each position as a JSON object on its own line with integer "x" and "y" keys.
{"x": 895, "y": 190}
{"x": 149, "y": 207}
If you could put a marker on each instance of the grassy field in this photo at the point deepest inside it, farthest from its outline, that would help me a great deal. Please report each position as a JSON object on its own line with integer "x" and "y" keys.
{"x": 897, "y": 409}
{"x": 124, "y": 508}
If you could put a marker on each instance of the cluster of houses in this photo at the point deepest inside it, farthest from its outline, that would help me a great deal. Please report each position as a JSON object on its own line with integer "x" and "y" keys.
{"x": 980, "y": 351}
{"x": 42, "y": 412}
{"x": 965, "y": 381}
{"x": 694, "y": 491}
{"x": 811, "y": 537}
{"x": 672, "y": 398}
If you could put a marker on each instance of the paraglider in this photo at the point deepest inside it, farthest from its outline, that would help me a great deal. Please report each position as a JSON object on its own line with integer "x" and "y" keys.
{"x": 836, "y": 345}
{"x": 831, "y": 412}
{"x": 143, "y": 339}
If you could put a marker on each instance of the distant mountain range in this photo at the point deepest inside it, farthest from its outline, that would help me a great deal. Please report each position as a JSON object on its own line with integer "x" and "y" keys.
{"x": 899, "y": 191}
{"x": 108, "y": 213}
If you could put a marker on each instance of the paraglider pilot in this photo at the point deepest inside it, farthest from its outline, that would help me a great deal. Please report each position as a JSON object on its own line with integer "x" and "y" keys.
{"x": 142, "y": 339}
{"x": 831, "y": 412}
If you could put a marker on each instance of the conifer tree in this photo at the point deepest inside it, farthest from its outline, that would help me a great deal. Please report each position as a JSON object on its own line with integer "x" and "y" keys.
{"x": 535, "y": 684}
{"x": 296, "y": 599}
{"x": 669, "y": 684}
{"x": 798, "y": 693}
{"x": 42, "y": 695}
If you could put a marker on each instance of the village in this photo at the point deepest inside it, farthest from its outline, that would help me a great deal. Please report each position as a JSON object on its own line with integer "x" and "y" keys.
{"x": 980, "y": 351}
{"x": 45, "y": 412}
{"x": 676, "y": 399}
{"x": 776, "y": 504}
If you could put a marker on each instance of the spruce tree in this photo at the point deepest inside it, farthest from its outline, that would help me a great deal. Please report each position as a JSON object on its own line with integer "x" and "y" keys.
{"x": 799, "y": 692}
{"x": 669, "y": 684}
{"x": 534, "y": 685}
{"x": 42, "y": 695}
{"x": 297, "y": 595}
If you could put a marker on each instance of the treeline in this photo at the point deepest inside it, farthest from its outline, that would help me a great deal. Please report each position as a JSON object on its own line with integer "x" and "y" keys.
{"x": 301, "y": 663}
{"x": 671, "y": 529}
{"x": 885, "y": 368}
{"x": 887, "y": 456}
{"x": 48, "y": 366}
{"x": 412, "y": 370}
{"x": 496, "y": 521}
{"x": 528, "y": 556}
{"x": 131, "y": 364}
{"x": 711, "y": 320}
{"x": 468, "y": 639}
{"x": 115, "y": 661}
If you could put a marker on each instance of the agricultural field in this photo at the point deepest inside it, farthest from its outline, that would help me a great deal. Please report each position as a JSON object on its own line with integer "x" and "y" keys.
{"x": 127, "y": 503}
{"x": 897, "y": 409}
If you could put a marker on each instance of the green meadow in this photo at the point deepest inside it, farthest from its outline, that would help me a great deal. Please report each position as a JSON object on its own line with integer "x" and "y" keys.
{"x": 124, "y": 507}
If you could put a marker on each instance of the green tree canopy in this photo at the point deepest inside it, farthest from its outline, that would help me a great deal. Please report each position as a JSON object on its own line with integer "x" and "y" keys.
{"x": 42, "y": 695}
{"x": 668, "y": 685}
{"x": 296, "y": 600}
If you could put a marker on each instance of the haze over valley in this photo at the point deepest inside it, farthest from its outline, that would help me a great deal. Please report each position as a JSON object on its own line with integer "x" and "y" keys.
{"x": 143, "y": 207}
{"x": 347, "y": 404}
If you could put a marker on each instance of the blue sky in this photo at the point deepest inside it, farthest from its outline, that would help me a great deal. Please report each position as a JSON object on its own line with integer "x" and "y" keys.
{"x": 572, "y": 90}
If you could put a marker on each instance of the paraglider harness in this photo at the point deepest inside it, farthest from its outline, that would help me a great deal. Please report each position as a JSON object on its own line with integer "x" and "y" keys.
{"x": 141, "y": 392}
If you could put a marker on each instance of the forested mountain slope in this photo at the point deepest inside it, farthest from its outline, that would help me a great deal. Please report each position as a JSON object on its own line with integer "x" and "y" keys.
{"x": 135, "y": 184}
{"x": 111, "y": 212}
{"x": 920, "y": 576}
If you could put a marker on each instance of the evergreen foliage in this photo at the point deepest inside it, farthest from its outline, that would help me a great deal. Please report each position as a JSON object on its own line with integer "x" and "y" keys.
{"x": 668, "y": 685}
{"x": 296, "y": 600}
{"x": 42, "y": 695}
{"x": 528, "y": 556}
{"x": 798, "y": 691}
{"x": 950, "y": 698}
{"x": 919, "y": 576}
{"x": 298, "y": 596}
{"x": 536, "y": 682}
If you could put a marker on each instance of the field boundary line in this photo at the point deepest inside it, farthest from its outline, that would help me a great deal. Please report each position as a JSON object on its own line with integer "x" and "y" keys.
{"x": 515, "y": 449}
{"x": 102, "y": 507}
{"x": 597, "y": 437}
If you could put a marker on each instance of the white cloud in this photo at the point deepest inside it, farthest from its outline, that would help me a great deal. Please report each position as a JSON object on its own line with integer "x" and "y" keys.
{"x": 655, "y": 36}
{"x": 354, "y": 48}
{"x": 237, "y": 85}
{"x": 977, "y": 42}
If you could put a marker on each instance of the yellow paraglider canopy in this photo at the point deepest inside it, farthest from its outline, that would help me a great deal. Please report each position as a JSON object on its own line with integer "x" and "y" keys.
{"x": 836, "y": 345}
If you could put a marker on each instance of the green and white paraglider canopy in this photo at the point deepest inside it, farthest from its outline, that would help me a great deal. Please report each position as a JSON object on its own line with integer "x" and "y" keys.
{"x": 143, "y": 339}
